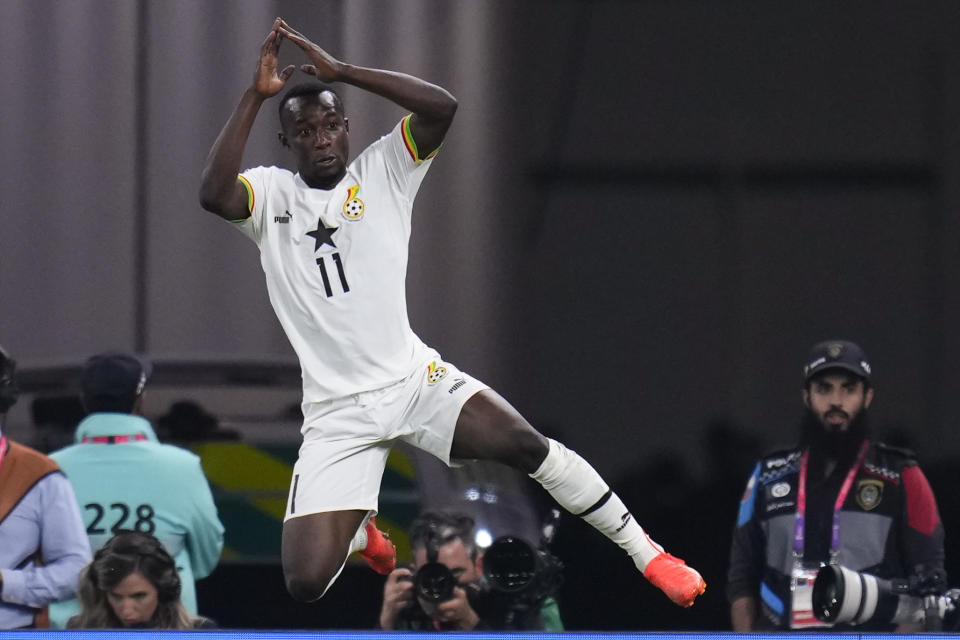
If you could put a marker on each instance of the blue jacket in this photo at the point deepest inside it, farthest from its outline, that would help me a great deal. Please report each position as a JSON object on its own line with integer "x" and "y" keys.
{"x": 141, "y": 484}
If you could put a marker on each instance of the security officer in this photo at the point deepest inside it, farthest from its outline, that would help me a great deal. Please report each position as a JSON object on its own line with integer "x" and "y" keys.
{"x": 837, "y": 498}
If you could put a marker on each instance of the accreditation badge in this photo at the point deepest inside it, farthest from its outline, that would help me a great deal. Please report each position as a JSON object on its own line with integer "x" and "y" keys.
{"x": 801, "y": 597}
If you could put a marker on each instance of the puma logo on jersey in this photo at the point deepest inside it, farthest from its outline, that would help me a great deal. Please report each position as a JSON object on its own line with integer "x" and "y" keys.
{"x": 284, "y": 219}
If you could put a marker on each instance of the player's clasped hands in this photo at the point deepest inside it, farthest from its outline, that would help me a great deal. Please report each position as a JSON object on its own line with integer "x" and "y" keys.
{"x": 268, "y": 81}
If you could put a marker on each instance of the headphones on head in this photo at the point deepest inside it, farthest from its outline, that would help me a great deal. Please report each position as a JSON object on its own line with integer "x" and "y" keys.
{"x": 144, "y": 546}
{"x": 9, "y": 391}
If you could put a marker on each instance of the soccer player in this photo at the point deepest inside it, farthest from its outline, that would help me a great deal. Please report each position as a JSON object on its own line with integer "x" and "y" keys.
{"x": 333, "y": 240}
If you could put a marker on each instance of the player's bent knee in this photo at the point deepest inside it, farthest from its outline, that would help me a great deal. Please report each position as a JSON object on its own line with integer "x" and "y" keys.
{"x": 306, "y": 588}
{"x": 306, "y": 582}
{"x": 530, "y": 451}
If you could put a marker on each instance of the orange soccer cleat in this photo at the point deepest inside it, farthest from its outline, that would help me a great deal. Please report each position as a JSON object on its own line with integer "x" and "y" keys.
{"x": 680, "y": 583}
{"x": 379, "y": 553}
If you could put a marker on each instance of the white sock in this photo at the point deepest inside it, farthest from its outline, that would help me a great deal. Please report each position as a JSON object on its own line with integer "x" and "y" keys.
{"x": 359, "y": 542}
{"x": 578, "y": 488}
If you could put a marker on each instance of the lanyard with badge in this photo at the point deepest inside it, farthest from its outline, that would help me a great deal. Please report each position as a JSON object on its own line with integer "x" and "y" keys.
{"x": 801, "y": 576}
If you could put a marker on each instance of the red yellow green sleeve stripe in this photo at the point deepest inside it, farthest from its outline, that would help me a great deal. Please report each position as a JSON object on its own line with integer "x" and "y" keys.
{"x": 411, "y": 144}
{"x": 246, "y": 185}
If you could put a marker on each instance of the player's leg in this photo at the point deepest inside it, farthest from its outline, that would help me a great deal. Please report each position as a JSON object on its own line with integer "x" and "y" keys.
{"x": 334, "y": 488}
{"x": 314, "y": 549}
{"x": 490, "y": 428}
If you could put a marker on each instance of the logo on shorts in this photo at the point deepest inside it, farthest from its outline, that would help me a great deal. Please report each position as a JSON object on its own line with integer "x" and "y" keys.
{"x": 353, "y": 206}
{"x": 435, "y": 373}
{"x": 457, "y": 383}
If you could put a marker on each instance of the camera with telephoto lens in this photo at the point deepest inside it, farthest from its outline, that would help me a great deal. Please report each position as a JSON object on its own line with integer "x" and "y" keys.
{"x": 434, "y": 583}
{"x": 525, "y": 575}
{"x": 844, "y": 596}
{"x": 518, "y": 577}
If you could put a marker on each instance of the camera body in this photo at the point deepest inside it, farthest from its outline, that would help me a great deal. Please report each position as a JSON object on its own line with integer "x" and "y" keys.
{"x": 433, "y": 584}
{"x": 517, "y": 579}
{"x": 528, "y": 575}
{"x": 844, "y": 596}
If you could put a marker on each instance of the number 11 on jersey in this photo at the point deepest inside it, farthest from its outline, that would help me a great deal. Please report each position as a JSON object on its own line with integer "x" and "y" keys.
{"x": 326, "y": 279}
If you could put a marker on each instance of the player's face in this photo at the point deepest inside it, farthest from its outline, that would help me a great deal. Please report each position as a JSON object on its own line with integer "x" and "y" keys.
{"x": 134, "y": 600}
{"x": 315, "y": 129}
{"x": 456, "y": 557}
{"x": 836, "y": 399}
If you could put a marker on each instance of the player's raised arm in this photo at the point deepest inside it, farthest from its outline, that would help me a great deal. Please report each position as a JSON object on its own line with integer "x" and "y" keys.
{"x": 220, "y": 192}
{"x": 433, "y": 107}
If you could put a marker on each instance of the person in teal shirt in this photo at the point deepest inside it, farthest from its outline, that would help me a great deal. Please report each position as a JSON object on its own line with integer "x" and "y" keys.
{"x": 125, "y": 479}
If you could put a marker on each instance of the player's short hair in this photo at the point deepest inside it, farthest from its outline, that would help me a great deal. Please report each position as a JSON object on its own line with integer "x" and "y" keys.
{"x": 307, "y": 89}
{"x": 443, "y": 527}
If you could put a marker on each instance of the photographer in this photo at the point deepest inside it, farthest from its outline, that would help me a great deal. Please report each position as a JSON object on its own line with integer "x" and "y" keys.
{"x": 448, "y": 539}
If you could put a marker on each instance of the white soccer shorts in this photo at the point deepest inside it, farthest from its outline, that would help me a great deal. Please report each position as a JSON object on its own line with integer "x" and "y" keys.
{"x": 346, "y": 440}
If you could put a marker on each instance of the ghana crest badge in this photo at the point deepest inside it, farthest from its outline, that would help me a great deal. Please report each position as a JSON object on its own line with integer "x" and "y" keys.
{"x": 435, "y": 373}
{"x": 353, "y": 206}
{"x": 869, "y": 493}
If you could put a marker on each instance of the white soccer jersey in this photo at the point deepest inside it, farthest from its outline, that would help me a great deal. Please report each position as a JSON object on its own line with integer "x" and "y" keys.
{"x": 336, "y": 263}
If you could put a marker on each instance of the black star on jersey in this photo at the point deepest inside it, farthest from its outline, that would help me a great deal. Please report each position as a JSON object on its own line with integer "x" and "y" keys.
{"x": 322, "y": 235}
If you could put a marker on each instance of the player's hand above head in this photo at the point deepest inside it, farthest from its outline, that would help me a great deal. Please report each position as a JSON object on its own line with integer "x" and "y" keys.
{"x": 267, "y": 81}
{"x": 325, "y": 67}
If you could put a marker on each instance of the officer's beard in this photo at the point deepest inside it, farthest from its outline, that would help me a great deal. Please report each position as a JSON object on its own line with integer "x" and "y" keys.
{"x": 826, "y": 443}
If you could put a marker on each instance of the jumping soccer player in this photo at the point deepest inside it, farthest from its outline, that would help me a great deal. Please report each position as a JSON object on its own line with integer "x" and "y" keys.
{"x": 333, "y": 240}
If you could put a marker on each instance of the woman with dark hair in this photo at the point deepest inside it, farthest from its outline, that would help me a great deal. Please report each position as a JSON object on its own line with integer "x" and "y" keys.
{"x": 132, "y": 583}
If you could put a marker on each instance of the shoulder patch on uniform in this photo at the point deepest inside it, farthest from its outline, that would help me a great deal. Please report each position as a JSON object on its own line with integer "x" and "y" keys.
{"x": 779, "y": 464}
{"x": 780, "y": 459}
{"x": 901, "y": 452}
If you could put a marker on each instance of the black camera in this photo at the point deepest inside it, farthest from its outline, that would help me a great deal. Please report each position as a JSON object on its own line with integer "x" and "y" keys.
{"x": 841, "y": 595}
{"x": 434, "y": 582}
{"x": 517, "y": 579}
{"x": 528, "y": 575}
{"x": 511, "y": 566}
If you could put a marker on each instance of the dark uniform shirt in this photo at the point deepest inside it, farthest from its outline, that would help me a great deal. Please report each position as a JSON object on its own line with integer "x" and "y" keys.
{"x": 888, "y": 525}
